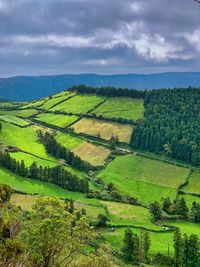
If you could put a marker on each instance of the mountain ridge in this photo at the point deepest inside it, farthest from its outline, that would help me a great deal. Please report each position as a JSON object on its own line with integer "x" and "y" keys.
{"x": 27, "y": 88}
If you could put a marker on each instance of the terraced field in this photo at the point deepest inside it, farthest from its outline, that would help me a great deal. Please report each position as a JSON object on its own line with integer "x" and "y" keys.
{"x": 56, "y": 119}
{"x": 95, "y": 155}
{"x": 23, "y": 113}
{"x": 121, "y": 107}
{"x": 52, "y": 101}
{"x": 104, "y": 129}
{"x": 79, "y": 104}
{"x": 144, "y": 178}
{"x": 193, "y": 186}
{"x": 36, "y": 103}
{"x": 14, "y": 120}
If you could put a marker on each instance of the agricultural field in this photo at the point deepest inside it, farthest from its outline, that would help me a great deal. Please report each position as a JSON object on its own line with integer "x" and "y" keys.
{"x": 185, "y": 226}
{"x": 14, "y": 120}
{"x": 95, "y": 155}
{"x": 193, "y": 186}
{"x": 104, "y": 129}
{"x": 24, "y": 139}
{"x": 190, "y": 199}
{"x": 35, "y": 103}
{"x": 79, "y": 104}
{"x": 23, "y": 113}
{"x": 58, "y": 120}
{"x": 159, "y": 241}
{"x": 144, "y": 178}
{"x": 53, "y": 101}
{"x": 29, "y": 159}
{"x": 65, "y": 92}
{"x": 8, "y": 104}
{"x": 121, "y": 107}
{"x": 68, "y": 141}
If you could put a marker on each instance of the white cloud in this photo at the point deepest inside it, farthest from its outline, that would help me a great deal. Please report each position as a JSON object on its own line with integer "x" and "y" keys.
{"x": 194, "y": 39}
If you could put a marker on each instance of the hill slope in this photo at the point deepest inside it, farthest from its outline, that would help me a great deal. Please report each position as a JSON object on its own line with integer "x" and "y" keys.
{"x": 29, "y": 88}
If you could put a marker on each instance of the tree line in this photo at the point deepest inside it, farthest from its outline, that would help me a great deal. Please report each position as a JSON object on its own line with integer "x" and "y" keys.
{"x": 56, "y": 175}
{"x": 171, "y": 124}
{"x": 108, "y": 91}
{"x": 57, "y": 150}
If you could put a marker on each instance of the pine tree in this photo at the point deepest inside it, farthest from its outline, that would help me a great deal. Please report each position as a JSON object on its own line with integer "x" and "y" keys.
{"x": 178, "y": 248}
{"x": 181, "y": 208}
{"x": 145, "y": 243}
{"x": 155, "y": 211}
{"x": 193, "y": 251}
{"x": 127, "y": 250}
{"x": 167, "y": 204}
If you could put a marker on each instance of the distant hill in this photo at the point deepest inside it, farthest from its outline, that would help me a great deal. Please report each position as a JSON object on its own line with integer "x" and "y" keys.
{"x": 26, "y": 88}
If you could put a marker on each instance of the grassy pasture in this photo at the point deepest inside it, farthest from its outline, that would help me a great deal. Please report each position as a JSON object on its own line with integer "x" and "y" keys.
{"x": 104, "y": 129}
{"x": 65, "y": 92}
{"x": 14, "y": 120}
{"x": 190, "y": 199}
{"x": 29, "y": 159}
{"x": 95, "y": 155}
{"x": 35, "y": 103}
{"x": 79, "y": 104}
{"x": 24, "y": 138}
{"x": 185, "y": 227}
{"x": 68, "y": 141}
{"x": 8, "y": 104}
{"x": 24, "y": 113}
{"x": 33, "y": 187}
{"x": 56, "y": 119}
{"x": 121, "y": 107}
{"x": 144, "y": 178}
{"x": 55, "y": 100}
{"x": 129, "y": 215}
{"x": 159, "y": 241}
{"x": 194, "y": 184}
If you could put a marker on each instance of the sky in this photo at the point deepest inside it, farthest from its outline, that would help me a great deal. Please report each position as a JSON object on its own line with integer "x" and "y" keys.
{"x": 45, "y": 37}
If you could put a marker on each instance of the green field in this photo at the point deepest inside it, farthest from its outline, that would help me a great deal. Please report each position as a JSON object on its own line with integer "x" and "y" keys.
{"x": 24, "y": 138}
{"x": 185, "y": 227}
{"x": 65, "y": 92}
{"x": 121, "y": 107}
{"x": 104, "y": 129}
{"x": 56, "y": 119}
{"x": 194, "y": 184}
{"x": 144, "y": 178}
{"x": 36, "y": 103}
{"x": 159, "y": 241}
{"x": 95, "y": 155}
{"x": 14, "y": 120}
{"x": 24, "y": 113}
{"x": 52, "y": 101}
{"x": 8, "y": 104}
{"x": 79, "y": 104}
{"x": 68, "y": 141}
{"x": 190, "y": 199}
{"x": 29, "y": 159}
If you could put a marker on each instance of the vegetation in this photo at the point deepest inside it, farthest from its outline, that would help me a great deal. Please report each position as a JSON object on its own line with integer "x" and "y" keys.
{"x": 68, "y": 141}
{"x": 22, "y": 113}
{"x": 104, "y": 129}
{"x": 193, "y": 186}
{"x": 14, "y": 120}
{"x": 53, "y": 101}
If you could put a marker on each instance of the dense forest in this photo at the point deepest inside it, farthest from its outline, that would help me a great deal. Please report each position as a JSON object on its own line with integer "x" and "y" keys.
{"x": 171, "y": 124}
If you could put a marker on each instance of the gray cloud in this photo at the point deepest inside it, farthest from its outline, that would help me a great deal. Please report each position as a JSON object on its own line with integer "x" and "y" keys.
{"x": 115, "y": 36}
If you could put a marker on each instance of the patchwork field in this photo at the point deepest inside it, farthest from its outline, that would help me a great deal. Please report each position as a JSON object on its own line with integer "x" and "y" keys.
{"x": 160, "y": 242}
{"x": 104, "y": 129}
{"x": 193, "y": 186}
{"x": 68, "y": 141}
{"x": 185, "y": 227}
{"x": 55, "y": 100}
{"x": 29, "y": 159}
{"x": 121, "y": 107}
{"x": 24, "y": 113}
{"x": 24, "y": 138}
{"x": 8, "y": 104}
{"x": 14, "y": 120}
{"x": 190, "y": 199}
{"x": 79, "y": 104}
{"x": 95, "y": 155}
{"x": 144, "y": 178}
{"x": 36, "y": 103}
{"x": 56, "y": 119}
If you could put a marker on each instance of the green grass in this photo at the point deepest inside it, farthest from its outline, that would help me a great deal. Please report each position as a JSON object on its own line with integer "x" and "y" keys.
{"x": 159, "y": 241}
{"x": 129, "y": 215}
{"x": 29, "y": 159}
{"x": 194, "y": 184}
{"x": 55, "y": 100}
{"x": 24, "y": 113}
{"x": 185, "y": 227}
{"x": 190, "y": 199}
{"x": 76, "y": 172}
{"x": 8, "y": 104}
{"x": 79, "y": 104}
{"x": 24, "y": 138}
{"x": 68, "y": 141}
{"x": 31, "y": 186}
{"x": 144, "y": 178}
{"x": 56, "y": 119}
{"x": 65, "y": 92}
{"x": 121, "y": 107}
{"x": 35, "y": 103}
{"x": 14, "y": 120}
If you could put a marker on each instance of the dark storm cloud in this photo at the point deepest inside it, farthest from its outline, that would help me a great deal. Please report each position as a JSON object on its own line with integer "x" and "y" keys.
{"x": 104, "y": 36}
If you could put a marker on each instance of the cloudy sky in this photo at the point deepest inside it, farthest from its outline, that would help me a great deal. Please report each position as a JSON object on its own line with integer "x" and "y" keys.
{"x": 98, "y": 36}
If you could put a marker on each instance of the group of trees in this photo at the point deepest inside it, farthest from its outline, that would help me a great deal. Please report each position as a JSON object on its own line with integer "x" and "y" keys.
{"x": 171, "y": 124}
{"x": 178, "y": 207}
{"x": 107, "y": 91}
{"x": 57, "y": 150}
{"x": 56, "y": 175}
{"x": 136, "y": 248}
